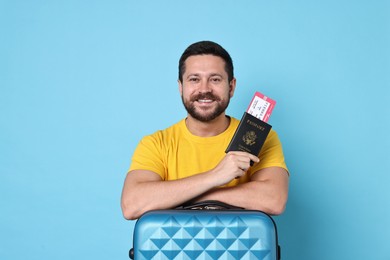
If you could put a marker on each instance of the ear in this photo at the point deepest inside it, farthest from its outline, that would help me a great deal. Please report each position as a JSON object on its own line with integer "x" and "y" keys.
{"x": 232, "y": 87}
{"x": 180, "y": 87}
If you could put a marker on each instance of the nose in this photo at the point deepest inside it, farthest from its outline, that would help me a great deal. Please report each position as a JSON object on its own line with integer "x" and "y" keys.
{"x": 204, "y": 87}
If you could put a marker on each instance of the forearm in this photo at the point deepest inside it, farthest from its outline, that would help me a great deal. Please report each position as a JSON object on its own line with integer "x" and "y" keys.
{"x": 140, "y": 195}
{"x": 268, "y": 195}
{"x": 247, "y": 196}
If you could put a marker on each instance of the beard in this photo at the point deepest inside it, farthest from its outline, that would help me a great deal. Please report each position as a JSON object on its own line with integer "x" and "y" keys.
{"x": 200, "y": 113}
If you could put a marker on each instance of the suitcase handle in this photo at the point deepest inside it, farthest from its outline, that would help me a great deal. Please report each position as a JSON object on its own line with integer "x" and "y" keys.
{"x": 208, "y": 205}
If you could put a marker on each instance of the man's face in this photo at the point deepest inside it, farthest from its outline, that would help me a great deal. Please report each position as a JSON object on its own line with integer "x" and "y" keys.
{"x": 205, "y": 89}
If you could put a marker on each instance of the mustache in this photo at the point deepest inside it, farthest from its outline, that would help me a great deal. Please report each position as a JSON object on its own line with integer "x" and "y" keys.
{"x": 207, "y": 95}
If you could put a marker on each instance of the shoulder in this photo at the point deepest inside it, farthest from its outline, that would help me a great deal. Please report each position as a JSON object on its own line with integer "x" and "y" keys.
{"x": 273, "y": 136}
{"x": 164, "y": 134}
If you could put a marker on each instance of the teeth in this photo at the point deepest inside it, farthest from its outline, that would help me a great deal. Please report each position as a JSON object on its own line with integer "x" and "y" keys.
{"x": 205, "y": 100}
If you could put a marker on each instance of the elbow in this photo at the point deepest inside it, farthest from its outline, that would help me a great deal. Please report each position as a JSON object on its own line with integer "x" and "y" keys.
{"x": 274, "y": 205}
{"x": 277, "y": 209}
{"x": 278, "y": 205}
{"x": 130, "y": 213}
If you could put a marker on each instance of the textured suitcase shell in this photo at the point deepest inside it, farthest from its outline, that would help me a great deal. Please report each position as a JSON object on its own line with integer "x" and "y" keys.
{"x": 205, "y": 234}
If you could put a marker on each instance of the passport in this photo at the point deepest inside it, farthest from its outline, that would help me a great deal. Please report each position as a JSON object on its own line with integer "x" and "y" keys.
{"x": 253, "y": 128}
{"x": 250, "y": 135}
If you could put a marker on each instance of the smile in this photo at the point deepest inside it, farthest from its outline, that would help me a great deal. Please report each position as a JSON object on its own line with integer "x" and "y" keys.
{"x": 205, "y": 100}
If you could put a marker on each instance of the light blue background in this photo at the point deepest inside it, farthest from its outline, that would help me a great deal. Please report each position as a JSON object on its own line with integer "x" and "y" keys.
{"x": 82, "y": 81}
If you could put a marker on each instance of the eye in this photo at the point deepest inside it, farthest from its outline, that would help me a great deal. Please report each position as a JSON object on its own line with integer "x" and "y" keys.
{"x": 215, "y": 79}
{"x": 193, "y": 79}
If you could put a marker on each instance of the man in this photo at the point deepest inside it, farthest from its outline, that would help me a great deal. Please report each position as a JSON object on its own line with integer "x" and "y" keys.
{"x": 187, "y": 161}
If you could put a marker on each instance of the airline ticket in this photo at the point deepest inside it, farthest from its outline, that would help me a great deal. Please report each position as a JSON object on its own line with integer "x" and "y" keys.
{"x": 261, "y": 107}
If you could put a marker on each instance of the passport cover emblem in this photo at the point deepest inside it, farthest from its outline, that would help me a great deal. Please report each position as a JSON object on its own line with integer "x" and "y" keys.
{"x": 249, "y": 138}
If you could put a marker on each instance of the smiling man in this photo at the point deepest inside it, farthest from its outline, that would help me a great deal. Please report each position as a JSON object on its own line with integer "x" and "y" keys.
{"x": 187, "y": 161}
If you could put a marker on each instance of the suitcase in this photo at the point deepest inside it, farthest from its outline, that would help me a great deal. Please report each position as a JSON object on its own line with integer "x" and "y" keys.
{"x": 205, "y": 234}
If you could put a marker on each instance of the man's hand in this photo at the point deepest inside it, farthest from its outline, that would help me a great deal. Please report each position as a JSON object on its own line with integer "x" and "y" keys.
{"x": 232, "y": 166}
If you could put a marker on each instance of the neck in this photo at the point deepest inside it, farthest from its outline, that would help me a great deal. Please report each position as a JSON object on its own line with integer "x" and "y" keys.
{"x": 207, "y": 129}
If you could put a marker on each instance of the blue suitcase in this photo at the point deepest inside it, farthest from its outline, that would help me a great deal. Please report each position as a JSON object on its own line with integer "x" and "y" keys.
{"x": 205, "y": 234}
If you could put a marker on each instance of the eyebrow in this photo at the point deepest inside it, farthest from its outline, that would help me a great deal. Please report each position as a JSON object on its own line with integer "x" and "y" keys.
{"x": 193, "y": 74}
{"x": 198, "y": 75}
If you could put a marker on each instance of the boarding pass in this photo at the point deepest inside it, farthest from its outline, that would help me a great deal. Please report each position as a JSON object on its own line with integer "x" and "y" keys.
{"x": 261, "y": 107}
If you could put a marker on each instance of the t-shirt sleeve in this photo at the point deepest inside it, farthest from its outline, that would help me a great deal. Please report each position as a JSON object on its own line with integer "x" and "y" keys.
{"x": 148, "y": 156}
{"x": 271, "y": 155}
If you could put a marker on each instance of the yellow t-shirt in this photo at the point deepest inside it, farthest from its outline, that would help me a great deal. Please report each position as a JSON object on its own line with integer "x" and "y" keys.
{"x": 175, "y": 153}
